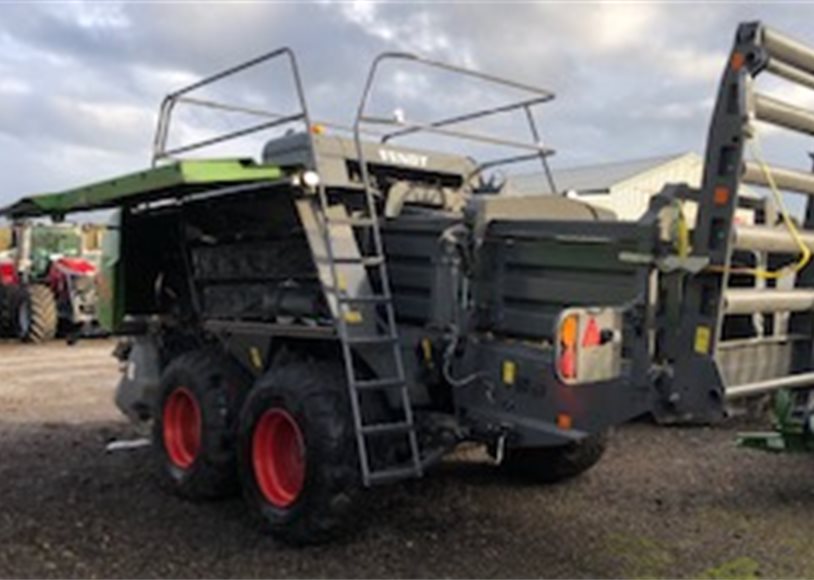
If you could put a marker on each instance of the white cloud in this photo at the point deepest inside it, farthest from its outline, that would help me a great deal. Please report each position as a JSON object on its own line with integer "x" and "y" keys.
{"x": 613, "y": 27}
{"x": 80, "y": 82}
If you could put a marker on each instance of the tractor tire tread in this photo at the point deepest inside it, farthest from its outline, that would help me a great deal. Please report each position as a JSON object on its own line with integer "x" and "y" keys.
{"x": 219, "y": 387}
{"x": 555, "y": 464}
{"x": 44, "y": 316}
{"x": 312, "y": 389}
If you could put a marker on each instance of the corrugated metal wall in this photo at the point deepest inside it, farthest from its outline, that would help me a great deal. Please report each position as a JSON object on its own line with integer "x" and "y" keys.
{"x": 629, "y": 199}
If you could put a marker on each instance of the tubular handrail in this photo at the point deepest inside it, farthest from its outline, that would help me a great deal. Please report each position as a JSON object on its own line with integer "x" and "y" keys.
{"x": 168, "y": 104}
{"x": 440, "y": 126}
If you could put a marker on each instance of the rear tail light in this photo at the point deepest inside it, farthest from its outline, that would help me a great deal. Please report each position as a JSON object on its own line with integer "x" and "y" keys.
{"x": 592, "y": 335}
{"x": 567, "y": 359}
{"x": 588, "y": 344}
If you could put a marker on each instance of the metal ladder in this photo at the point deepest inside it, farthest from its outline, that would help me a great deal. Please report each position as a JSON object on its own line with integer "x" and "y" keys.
{"x": 369, "y": 347}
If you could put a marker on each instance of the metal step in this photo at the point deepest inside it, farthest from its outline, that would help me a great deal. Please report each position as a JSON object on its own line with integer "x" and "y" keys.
{"x": 776, "y": 239}
{"x": 373, "y": 384}
{"x": 357, "y": 222}
{"x": 387, "y": 428}
{"x": 372, "y": 339}
{"x": 393, "y": 474}
{"x": 375, "y": 299}
{"x": 363, "y": 260}
{"x": 750, "y": 301}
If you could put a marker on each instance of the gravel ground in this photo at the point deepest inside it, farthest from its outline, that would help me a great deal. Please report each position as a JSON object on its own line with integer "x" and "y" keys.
{"x": 663, "y": 502}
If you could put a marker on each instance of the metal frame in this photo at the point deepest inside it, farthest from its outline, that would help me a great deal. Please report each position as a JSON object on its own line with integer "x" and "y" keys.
{"x": 441, "y": 126}
{"x": 169, "y": 103}
{"x": 698, "y": 387}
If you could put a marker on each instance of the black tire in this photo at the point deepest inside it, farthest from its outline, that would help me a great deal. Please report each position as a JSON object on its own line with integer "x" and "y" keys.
{"x": 312, "y": 395}
{"x": 213, "y": 388}
{"x": 553, "y": 464}
{"x": 37, "y": 319}
{"x": 9, "y": 295}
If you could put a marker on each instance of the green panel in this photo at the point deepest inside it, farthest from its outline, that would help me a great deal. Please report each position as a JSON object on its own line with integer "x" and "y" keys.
{"x": 165, "y": 181}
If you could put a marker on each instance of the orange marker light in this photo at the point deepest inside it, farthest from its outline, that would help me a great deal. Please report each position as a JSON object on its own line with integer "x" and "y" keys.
{"x": 721, "y": 195}
{"x": 317, "y": 129}
{"x": 737, "y": 61}
{"x": 564, "y": 421}
{"x": 567, "y": 361}
{"x": 568, "y": 331}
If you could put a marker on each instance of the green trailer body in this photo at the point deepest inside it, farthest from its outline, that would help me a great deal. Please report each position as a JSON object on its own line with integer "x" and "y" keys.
{"x": 169, "y": 181}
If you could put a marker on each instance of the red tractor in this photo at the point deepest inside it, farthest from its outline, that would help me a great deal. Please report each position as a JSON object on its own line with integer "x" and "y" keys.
{"x": 47, "y": 283}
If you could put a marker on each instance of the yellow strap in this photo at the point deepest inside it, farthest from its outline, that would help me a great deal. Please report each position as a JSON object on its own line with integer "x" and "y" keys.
{"x": 805, "y": 252}
{"x": 681, "y": 234}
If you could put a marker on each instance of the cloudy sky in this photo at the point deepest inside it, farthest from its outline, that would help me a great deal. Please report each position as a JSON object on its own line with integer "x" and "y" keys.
{"x": 80, "y": 82}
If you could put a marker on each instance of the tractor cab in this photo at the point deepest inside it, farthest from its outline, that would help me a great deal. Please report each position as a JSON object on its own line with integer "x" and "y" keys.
{"x": 48, "y": 280}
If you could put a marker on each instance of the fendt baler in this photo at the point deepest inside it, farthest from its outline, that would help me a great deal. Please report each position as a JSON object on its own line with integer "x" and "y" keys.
{"x": 343, "y": 312}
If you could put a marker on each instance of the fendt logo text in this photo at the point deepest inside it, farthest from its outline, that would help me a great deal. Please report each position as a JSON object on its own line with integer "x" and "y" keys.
{"x": 403, "y": 158}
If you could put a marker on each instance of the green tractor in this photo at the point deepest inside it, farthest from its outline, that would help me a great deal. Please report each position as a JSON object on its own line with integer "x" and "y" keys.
{"x": 47, "y": 281}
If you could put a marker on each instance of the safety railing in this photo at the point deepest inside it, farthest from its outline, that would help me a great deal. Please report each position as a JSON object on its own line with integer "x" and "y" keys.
{"x": 161, "y": 151}
{"x": 395, "y": 127}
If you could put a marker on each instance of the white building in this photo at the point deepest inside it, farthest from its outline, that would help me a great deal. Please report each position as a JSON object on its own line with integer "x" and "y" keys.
{"x": 624, "y": 187}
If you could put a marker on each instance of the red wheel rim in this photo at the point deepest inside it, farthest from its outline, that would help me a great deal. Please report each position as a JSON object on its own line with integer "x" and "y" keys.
{"x": 182, "y": 427}
{"x": 278, "y": 457}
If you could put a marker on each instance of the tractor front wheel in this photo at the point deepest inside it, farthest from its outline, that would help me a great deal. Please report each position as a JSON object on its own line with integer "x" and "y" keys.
{"x": 553, "y": 464}
{"x": 297, "y": 453}
{"x": 37, "y": 318}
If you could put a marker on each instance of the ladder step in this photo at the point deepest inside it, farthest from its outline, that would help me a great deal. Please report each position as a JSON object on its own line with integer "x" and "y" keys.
{"x": 371, "y": 384}
{"x": 393, "y": 474}
{"x": 383, "y": 428}
{"x": 373, "y": 299}
{"x": 363, "y": 260}
{"x": 372, "y": 339}
{"x": 354, "y": 222}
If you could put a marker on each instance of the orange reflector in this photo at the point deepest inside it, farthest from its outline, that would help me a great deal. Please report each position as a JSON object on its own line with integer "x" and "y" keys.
{"x": 737, "y": 61}
{"x": 567, "y": 364}
{"x": 564, "y": 421}
{"x": 721, "y": 196}
{"x": 317, "y": 129}
{"x": 592, "y": 336}
{"x": 568, "y": 331}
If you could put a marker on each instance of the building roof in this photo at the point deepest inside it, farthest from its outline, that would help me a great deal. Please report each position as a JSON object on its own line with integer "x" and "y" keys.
{"x": 593, "y": 178}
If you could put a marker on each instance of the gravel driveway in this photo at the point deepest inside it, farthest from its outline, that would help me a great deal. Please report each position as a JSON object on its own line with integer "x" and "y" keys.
{"x": 663, "y": 502}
